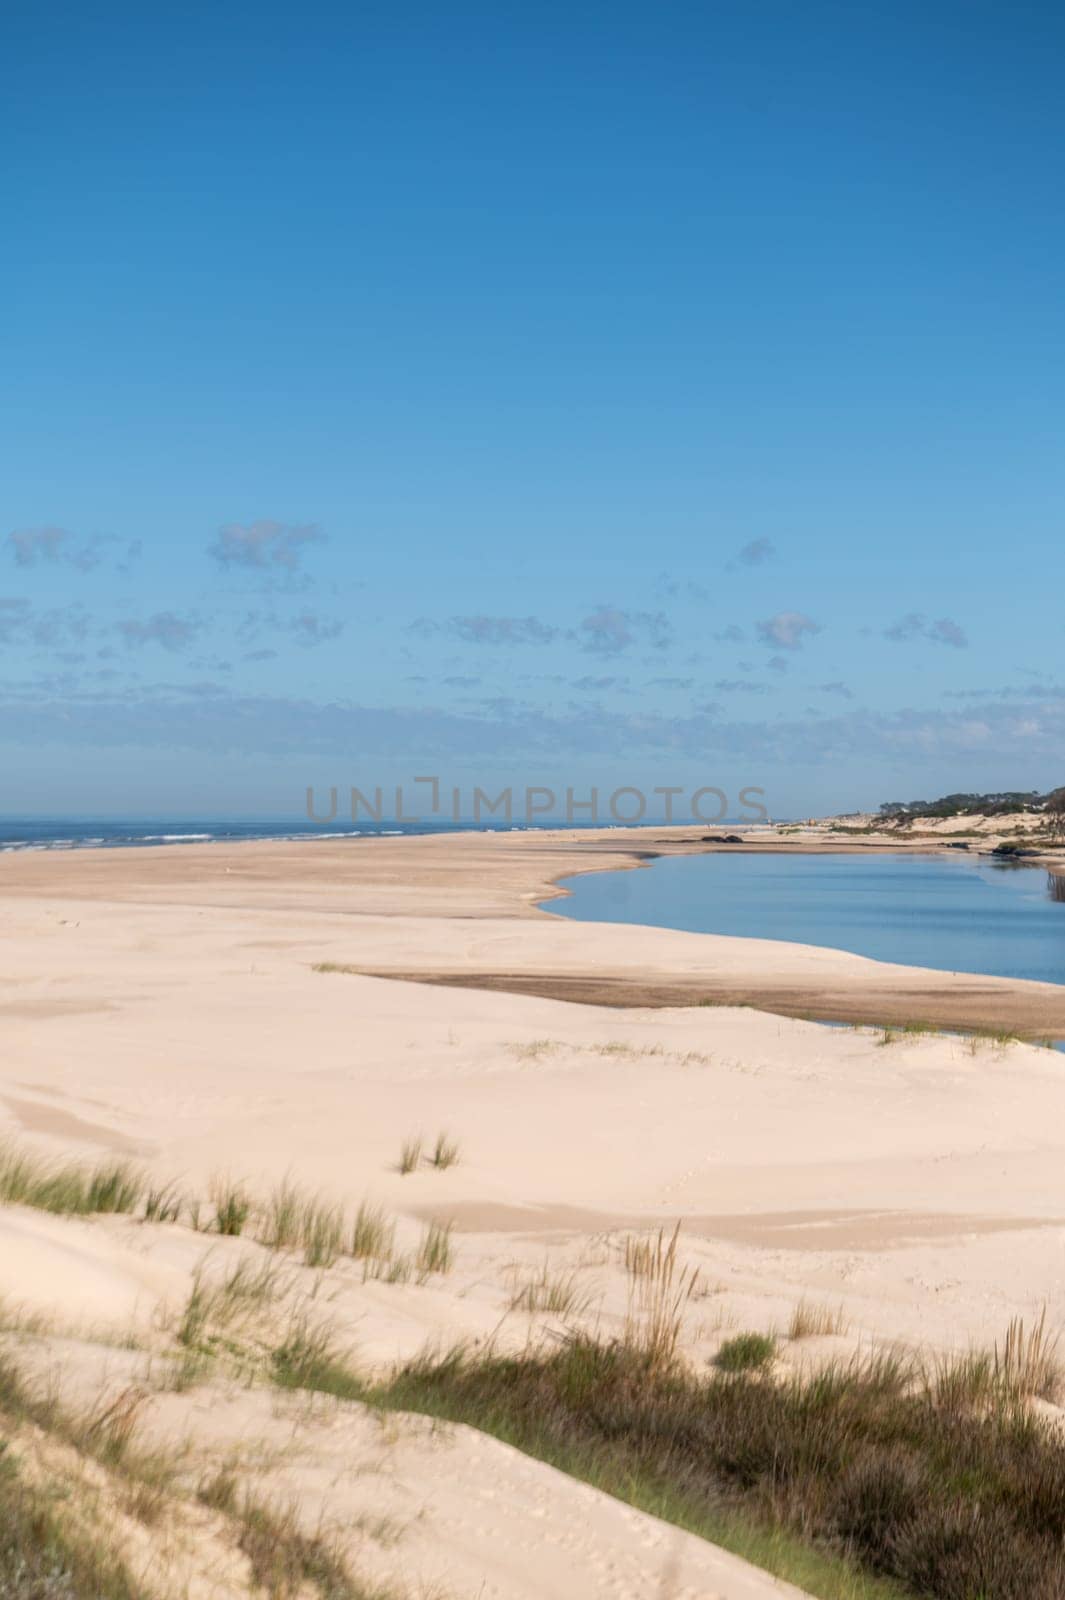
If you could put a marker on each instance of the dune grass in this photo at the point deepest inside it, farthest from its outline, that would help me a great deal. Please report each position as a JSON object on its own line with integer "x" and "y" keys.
{"x": 50, "y": 1551}
{"x": 46, "y": 1552}
{"x": 289, "y": 1219}
{"x": 559, "y": 1293}
{"x": 216, "y": 1307}
{"x": 660, "y": 1289}
{"x": 808, "y": 1321}
{"x": 851, "y": 1483}
{"x": 372, "y": 1235}
{"x": 410, "y": 1155}
{"x": 63, "y": 1546}
{"x": 232, "y": 1207}
{"x": 435, "y": 1252}
{"x": 163, "y": 1203}
{"x": 310, "y": 1357}
{"x": 285, "y": 1560}
{"x": 746, "y": 1352}
{"x": 66, "y": 1187}
{"x": 558, "y": 1408}
{"x": 445, "y": 1152}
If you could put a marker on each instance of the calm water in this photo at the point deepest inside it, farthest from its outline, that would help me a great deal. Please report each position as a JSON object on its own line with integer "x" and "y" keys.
{"x": 955, "y": 915}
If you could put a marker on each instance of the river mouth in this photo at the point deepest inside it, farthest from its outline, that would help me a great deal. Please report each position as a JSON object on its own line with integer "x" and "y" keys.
{"x": 949, "y": 914}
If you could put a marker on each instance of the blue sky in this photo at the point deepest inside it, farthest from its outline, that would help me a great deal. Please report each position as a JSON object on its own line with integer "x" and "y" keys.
{"x": 569, "y": 394}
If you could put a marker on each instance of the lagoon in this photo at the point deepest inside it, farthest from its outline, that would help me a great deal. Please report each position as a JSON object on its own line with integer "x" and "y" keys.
{"x": 951, "y": 914}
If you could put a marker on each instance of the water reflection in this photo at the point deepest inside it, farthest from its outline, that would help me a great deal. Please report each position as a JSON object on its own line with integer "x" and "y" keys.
{"x": 956, "y": 914}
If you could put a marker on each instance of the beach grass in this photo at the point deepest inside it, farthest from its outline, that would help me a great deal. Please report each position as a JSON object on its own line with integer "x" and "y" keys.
{"x": 232, "y": 1207}
{"x": 808, "y": 1321}
{"x": 285, "y": 1560}
{"x": 561, "y": 1294}
{"x": 746, "y": 1352}
{"x": 372, "y": 1234}
{"x": 853, "y": 1482}
{"x": 660, "y": 1288}
{"x": 435, "y": 1252}
{"x": 66, "y": 1187}
{"x": 310, "y": 1357}
{"x": 445, "y": 1152}
{"x": 213, "y": 1307}
{"x": 47, "y": 1553}
{"x": 410, "y": 1155}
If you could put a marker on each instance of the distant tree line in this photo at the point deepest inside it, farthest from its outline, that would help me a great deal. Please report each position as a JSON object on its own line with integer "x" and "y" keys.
{"x": 1051, "y": 805}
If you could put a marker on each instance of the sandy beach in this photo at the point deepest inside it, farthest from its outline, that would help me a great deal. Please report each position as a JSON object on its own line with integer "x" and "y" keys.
{"x": 270, "y": 1011}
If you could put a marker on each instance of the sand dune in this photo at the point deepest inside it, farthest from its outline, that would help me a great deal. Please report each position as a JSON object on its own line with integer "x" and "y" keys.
{"x": 159, "y": 1005}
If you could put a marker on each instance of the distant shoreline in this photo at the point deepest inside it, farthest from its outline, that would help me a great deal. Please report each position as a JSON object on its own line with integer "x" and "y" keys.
{"x": 397, "y": 906}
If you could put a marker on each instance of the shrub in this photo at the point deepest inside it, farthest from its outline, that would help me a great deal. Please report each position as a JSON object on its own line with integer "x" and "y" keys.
{"x": 746, "y": 1352}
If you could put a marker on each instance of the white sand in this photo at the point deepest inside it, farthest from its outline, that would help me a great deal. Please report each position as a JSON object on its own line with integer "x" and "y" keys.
{"x": 173, "y": 1013}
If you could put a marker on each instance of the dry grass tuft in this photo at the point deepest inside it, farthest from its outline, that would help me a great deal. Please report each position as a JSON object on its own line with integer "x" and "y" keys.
{"x": 445, "y": 1152}
{"x": 659, "y": 1291}
{"x": 282, "y": 1218}
{"x": 434, "y": 1253}
{"x": 232, "y": 1207}
{"x": 324, "y": 1233}
{"x": 808, "y": 1321}
{"x": 163, "y": 1203}
{"x": 286, "y": 1562}
{"x": 1028, "y": 1364}
{"x": 372, "y": 1235}
{"x": 214, "y": 1308}
{"x": 410, "y": 1155}
{"x": 561, "y": 1294}
{"x": 309, "y": 1357}
{"x": 533, "y": 1049}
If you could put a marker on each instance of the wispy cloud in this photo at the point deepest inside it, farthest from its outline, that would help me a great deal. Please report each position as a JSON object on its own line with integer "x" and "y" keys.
{"x": 13, "y": 616}
{"x": 502, "y": 630}
{"x": 741, "y": 686}
{"x": 488, "y": 630}
{"x": 32, "y": 547}
{"x": 164, "y": 628}
{"x": 264, "y": 545}
{"x": 58, "y": 628}
{"x": 837, "y": 686}
{"x": 608, "y": 631}
{"x": 311, "y": 629}
{"x": 210, "y": 718}
{"x": 590, "y": 682}
{"x": 944, "y": 630}
{"x": 757, "y": 553}
{"x": 787, "y": 629}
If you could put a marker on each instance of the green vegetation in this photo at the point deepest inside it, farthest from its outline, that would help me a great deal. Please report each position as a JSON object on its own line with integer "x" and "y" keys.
{"x": 746, "y": 1352}
{"x": 1002, "y": 803}
{"x": 434, "y": 1252}
{"x": 310, "y": 1358}
{"x": 445, "y": 1152}
{"x": 410, "y": 1155}
{"x": 559, "y": 1293}
{"x": 864, "y": 1480}
{"x": 284, "y": 1560}
{"x": 232, "y": 1207}
{"x": 810, "y": 1321}
{"x": 214, "y": 1308}
{"x": 46, "y": 1554}
{"x": 372, "y": 1234}
{"x": 68, "y": 1187}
